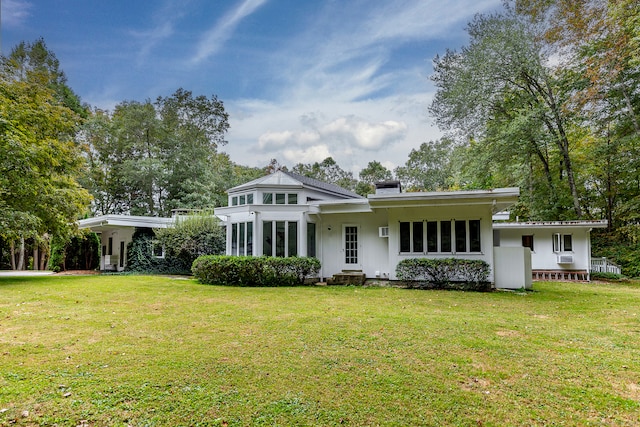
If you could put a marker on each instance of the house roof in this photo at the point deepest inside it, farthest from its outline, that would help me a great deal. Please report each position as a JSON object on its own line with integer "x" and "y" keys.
{"x": 293, "y": 180}
{"x": 105, "y": 222}
{"x": 499, "y": 198}
{"x": 550, "y": 224}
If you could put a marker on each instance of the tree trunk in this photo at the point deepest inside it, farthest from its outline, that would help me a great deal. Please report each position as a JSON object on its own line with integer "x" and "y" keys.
{"x": 21, "y": 255}
{"x": 13, "y": 255}
{"x": 36, "y": 256}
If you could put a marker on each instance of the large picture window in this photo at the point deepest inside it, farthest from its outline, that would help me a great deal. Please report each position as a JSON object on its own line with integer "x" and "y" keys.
{"x": 440, "y": 236}
{"x": 280, "y": 238}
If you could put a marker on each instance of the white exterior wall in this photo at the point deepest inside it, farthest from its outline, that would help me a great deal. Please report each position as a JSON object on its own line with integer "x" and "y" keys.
{"x": 542, "y": 256}
{"x": 119, "y": 235}
{"x": 444, "y": 213}
{"x": 372, "y": 249}
{"x": 512, "y": 268}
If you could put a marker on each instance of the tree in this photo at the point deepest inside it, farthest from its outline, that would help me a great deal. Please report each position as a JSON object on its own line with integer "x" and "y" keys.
{"x": 149, "y": 158}
{"x": 327, "y": 171}
{"x": 374, "y": 172}
{"x": 499, "y": 79}
{"x": 39, "y": 162}
{"x": 428, "y": 167}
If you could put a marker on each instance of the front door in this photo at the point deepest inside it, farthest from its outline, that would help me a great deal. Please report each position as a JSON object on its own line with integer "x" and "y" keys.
{"x": 350, "y": 247}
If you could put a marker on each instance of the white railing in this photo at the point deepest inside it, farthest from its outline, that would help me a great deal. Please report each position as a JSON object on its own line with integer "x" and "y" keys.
{"x": 603, "y": 265}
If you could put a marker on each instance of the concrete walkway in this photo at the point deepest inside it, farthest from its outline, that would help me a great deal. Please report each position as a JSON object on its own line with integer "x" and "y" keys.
{"x": 22, "y": 273}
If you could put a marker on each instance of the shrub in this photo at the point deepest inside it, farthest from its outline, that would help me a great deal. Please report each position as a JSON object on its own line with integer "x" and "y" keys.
{"x": 254, "y": 271}
{"x": 444, "y": 273}
{"x": 611, "y": 277}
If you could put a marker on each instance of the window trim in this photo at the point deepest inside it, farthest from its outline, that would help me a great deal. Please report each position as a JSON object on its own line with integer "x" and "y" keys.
{"x": 242, "y": 234}
{"x": 286, "y": 231}
{"x": 445, "y": 231}
{"x": 559, "y": 241}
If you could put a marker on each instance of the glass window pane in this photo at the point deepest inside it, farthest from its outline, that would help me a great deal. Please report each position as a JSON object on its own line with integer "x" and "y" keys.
{"x": 568, "y": 242}
{"x": 267, "y": 198}
{"x": 461, "y": 236}
{"x": 311, "y": 239}
{"x": 267, "y": 238}
{"x": 249, "y": 199}
{"x": 292, "y": 199}
{"x": 418, "y": 245}
{"x": 241, "y": 239}
{"x": 445, "y": 236}
{"x": 250, "y": 238}
{"x": 293, "y": 239}
{"x": 432, "y": 236}
{"x": 280, "y": 198}
{"x": 234, "y": 239}
{"x": 242, "y": 200}
{"x": 280, "y": 236}
{"x": 556, "y": 242}
{"x": 474, "y": 236}
{"x": 405, "y": 237}
{"x": 527, "y": 242}
{"x": 234, "y": 201}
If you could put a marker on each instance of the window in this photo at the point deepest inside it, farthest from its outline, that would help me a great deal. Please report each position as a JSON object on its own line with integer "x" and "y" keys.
{"x": 157, "y": 249}
{"x": 562, "y": 242}
{"x": 110, "y": 246}
{"x": 442, "y": 236}
{"x": 242, "y": 199}
{"x": 432, "y": 236}
{"x": 121, "y": 254}
{"x": 311, "y": 239}
{"x": 445, "y": 236}
{"x": 285, "y": 242}
{"x": 527, "y": 242}
{"x": 279, "y": 198}
{"x": 242, "y": 238}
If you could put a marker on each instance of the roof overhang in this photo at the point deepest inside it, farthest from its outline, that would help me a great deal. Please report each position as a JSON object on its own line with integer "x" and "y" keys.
{"x": 550, "y": 224}
{"x": 499, "y": 198}
{"x": 110, "y": 222}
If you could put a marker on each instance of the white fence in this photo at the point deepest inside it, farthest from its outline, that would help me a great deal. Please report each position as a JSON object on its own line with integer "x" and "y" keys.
{"x": 603, "y": 265}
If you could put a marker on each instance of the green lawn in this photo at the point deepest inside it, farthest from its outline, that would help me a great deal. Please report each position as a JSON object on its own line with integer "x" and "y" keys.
{"x": 144, "y": 351}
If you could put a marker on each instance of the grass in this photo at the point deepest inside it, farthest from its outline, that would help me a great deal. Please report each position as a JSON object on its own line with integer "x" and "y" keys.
{"x": 150, "y": 351}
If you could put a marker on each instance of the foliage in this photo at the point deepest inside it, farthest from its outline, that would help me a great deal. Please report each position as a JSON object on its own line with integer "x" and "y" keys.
{"x": 149, "y": 350}
{"x": 445, "y": 273}
{"x": 610, "y": 277}
{"x": 78, "y": 253}
{"x": 327, "y": 171}
{"x": 428, "y": 167}
{"x": 149, "y": 158}
{"x": 369, "y": 176}
{"x": 254, "y": 271}
{"x": 39, "y": 161}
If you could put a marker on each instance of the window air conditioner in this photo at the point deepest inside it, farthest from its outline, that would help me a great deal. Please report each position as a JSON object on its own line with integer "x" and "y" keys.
{"x": 565, "y": 259}
{"x": 383, "y": 231}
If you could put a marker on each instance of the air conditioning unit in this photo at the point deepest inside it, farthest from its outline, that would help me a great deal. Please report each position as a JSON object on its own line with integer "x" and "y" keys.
{"x": 565, "y": 259}
{"x": 383, "y": 231}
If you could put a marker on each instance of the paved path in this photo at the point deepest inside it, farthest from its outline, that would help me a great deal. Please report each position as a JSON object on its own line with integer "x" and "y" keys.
{"x": 16, "y": 273}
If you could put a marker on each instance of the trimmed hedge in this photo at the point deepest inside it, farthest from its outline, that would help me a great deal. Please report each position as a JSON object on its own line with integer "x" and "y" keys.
{"x": 444, "y": 273}
{"x": 254, "y": 271}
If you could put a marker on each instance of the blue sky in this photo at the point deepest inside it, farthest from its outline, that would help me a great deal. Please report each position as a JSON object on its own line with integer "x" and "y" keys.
{"x": 301, "y": 79}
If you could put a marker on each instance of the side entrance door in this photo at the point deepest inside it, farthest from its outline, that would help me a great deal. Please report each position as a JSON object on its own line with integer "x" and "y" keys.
{"x": 351, "y": 247}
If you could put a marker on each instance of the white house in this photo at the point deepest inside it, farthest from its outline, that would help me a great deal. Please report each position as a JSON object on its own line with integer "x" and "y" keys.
{"x": 116, "y": 232}
{"x": 285, "y": 214}
{"x": 560, "y": 250}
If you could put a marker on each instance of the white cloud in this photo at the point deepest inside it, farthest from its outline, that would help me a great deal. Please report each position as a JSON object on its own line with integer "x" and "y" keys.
{"x": 317, "y": 153}
{"x": 369, "y": 136}
{"x": 15, "y": 12}
{"x": 213, "y": 40}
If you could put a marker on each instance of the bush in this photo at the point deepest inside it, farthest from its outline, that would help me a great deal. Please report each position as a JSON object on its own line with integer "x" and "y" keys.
{"x": 611, "y": 277}
{"x": 444, "y": 273}
{"x": 254, "y": 271}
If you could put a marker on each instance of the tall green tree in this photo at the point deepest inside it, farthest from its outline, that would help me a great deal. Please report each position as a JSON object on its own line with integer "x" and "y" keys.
{"x": 428, "y": 167}
{"x": 499, "y": 79}
{"x": 39, "y": 162}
